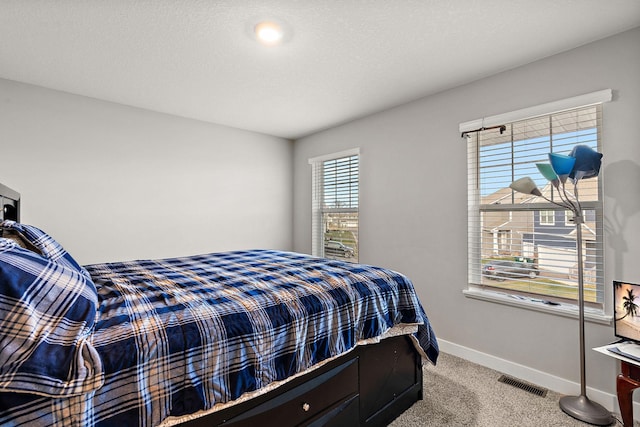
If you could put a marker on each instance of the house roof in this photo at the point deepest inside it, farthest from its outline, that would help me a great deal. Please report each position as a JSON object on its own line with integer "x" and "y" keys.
{"x": 587, "y": 187}
{"x": 587, "y": 190}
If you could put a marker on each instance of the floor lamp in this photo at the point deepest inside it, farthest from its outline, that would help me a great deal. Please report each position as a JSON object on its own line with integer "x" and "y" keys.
{"x": 582, "y": 163}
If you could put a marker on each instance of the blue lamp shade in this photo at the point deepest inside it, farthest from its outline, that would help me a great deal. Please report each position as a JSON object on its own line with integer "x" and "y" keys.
{"x": 562, "y": 164}
{"x": 587, "y": 163}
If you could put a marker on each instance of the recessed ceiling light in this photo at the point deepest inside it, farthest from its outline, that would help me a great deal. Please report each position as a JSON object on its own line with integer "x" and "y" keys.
{"x": 269, "y": 33}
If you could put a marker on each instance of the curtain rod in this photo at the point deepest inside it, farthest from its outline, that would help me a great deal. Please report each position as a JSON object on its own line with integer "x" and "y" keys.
{"x": 557, "y": 106}
{"x": 502, "y": 128}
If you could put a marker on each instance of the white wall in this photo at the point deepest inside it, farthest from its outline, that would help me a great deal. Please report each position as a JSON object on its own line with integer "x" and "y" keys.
{"x": 414, "y": 200}
{"x": 112, "y": 182}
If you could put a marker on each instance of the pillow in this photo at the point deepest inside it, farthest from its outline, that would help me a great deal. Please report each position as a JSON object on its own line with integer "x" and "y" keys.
{"x": 19, "y": 239}
{"x": 47, "y": 314}
{"x": 45, "y": 244}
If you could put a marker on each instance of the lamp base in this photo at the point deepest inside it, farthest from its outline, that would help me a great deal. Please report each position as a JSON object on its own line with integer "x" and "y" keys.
{"x": 583, "y": 409}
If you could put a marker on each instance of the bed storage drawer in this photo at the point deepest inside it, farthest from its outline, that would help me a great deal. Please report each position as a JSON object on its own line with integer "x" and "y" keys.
{"x": 329, "y": 399}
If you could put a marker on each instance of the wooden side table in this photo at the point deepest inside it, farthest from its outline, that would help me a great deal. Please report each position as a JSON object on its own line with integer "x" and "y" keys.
{"x": 627, "y": 381}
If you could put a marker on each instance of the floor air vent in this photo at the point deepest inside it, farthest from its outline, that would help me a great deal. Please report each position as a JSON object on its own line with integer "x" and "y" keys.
{"x": 538, "y": 391}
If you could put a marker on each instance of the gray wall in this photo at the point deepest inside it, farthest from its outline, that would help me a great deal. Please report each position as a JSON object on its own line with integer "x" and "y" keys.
{"x": 112, "y": 182}
{"x": 414, "y": 204}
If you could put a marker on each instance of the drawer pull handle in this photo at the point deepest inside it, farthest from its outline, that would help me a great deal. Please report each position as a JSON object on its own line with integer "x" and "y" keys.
{"x": 306, "y": 407}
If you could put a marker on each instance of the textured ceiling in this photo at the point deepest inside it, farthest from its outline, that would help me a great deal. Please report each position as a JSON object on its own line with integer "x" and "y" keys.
{"x": 341, "y": 60}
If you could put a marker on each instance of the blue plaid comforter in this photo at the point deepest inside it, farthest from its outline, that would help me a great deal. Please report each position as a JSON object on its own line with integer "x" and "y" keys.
{"x": 180, "y": 335}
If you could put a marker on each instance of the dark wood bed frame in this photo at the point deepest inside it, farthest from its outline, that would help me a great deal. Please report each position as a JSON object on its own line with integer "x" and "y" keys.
{"x": 10, "y": 202}
{"x": 369, "y": 386}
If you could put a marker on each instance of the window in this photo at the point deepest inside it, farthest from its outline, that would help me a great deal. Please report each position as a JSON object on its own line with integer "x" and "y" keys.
{"x": 547, "y": 217}
{"x": 335, "y": 205}
{"x": 539, "y": 260}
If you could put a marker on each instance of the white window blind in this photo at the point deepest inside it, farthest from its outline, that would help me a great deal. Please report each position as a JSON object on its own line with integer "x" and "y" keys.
{"x": 522, "y": 244}
{"x": 335, "y": 201}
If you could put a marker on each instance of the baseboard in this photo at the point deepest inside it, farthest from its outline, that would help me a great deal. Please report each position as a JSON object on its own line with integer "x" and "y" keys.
{"x": 534, "y": 376}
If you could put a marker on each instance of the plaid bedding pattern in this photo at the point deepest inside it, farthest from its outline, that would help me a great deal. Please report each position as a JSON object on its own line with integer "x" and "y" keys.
{"x": 180, "y": 335}
{"x": 43, "y": 243}
{"x": 47, "y": 314}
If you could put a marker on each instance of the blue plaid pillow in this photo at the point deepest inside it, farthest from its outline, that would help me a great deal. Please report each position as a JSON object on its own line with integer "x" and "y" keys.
{"x": 48, "y": 247}
{"x": 47, "y": 314}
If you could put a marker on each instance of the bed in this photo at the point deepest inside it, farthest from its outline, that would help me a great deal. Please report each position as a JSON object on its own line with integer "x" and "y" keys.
{"x": 239, "y": 338}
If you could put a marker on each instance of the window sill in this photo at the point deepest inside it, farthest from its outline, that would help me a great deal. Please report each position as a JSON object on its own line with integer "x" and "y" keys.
{"x": 565, "y": 310}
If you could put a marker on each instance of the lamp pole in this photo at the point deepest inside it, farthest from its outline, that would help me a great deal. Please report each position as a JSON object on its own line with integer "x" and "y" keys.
{"x": 581, "y": 407}
{"x": 583, "y": 162}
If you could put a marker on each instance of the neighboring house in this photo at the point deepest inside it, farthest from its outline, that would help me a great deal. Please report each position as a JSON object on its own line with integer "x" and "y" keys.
{"x": 553, "y": 239}
{"x": 547, "y": 237}
{"x": 502, "y": 230}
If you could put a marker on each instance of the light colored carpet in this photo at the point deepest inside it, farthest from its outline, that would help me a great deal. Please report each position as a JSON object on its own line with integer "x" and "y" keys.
{"x": 459, "y": 393}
